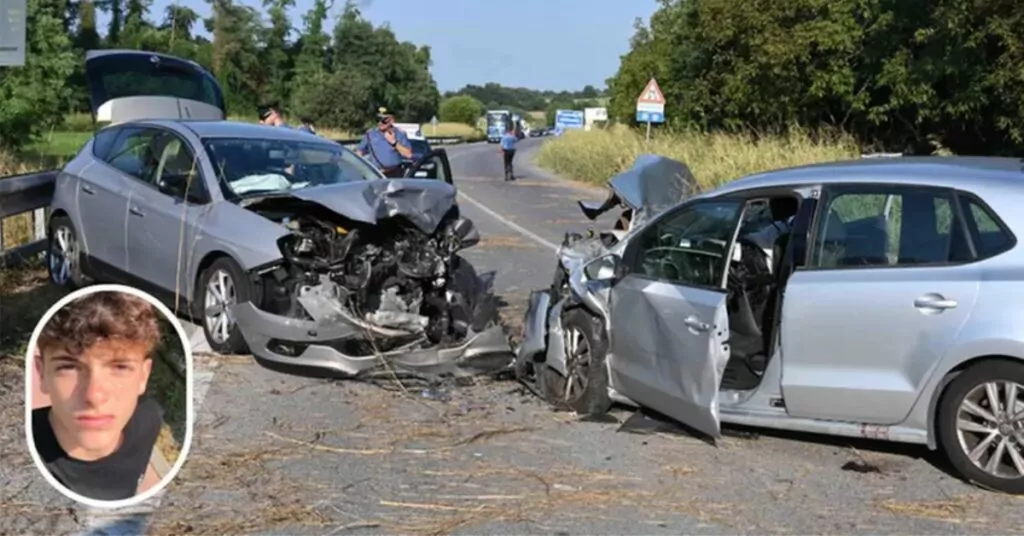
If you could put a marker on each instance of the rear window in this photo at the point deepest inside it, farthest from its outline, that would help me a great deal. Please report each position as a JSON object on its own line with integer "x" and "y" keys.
{"x": 127, "y": 75}
{"x": 989, "y": 235}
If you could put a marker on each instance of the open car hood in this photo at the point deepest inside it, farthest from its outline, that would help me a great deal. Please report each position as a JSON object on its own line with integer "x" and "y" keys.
{"x": 127, "y": 85}
{"x": 653, "y": 184}
{"x": 423, "y": 202}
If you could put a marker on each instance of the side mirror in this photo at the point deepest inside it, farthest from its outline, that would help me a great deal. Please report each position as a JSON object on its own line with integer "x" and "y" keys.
{"x": 605, "y": 268}
{"x": 179, "y": 188}
{"x": 466, "y": 232}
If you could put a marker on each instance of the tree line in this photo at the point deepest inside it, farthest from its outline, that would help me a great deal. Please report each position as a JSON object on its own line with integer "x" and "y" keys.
{"x": 336, "y": 70}
{"x": 905, "y": 75}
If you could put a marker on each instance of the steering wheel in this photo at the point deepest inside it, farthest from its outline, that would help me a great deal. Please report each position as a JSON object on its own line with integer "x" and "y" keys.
{"x": 664, "y": 262}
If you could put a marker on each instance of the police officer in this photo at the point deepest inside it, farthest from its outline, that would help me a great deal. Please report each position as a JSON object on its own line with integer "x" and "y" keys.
{"x": 508, "y": 151}
{"x": 387, "y": 146}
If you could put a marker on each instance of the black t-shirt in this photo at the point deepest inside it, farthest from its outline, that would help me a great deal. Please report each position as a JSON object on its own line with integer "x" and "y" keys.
{"x": 114, "y": 477}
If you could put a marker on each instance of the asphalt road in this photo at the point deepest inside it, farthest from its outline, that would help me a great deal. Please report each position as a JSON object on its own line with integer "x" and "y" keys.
{"x": 276, "y": 453}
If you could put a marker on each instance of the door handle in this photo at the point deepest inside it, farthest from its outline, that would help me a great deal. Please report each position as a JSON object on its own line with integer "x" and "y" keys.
{"x": 88, "y": 189}
{"x": 136, "y": 211}
{"x": 695, "y": 323}
{"x": 934, "y": 301}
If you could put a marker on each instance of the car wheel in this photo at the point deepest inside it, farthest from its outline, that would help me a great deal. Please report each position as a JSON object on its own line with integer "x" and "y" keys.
{"x": 981, "y": 425}
{"x": 584, "y": 388}
{"x": 64, "y": 254}
{"x": 222, "y": 285}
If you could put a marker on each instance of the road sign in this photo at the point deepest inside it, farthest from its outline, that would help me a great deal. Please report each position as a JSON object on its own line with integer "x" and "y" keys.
{"x": 433, "y": 121}
{"x": 12, "y": 33}
{"x": 568, "y": 119}
{"x": 650, "y": 105}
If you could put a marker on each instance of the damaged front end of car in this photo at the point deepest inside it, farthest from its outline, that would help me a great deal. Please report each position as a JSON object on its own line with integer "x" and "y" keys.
{"x": 588, "y": 264}
{"x": 372, "y": 287}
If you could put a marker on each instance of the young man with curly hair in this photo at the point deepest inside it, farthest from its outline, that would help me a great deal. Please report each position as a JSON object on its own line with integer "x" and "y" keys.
{"x": 94, "y": 359}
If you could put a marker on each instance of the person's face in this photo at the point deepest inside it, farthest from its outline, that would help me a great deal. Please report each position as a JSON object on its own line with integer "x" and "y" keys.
{"x": 93, "y": 394}
{"x": 273, "y": 119}
{"x": 385, "y": 123}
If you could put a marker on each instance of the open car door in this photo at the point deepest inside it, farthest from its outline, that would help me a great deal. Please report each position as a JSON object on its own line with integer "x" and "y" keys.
{"x": 433, "y": 165}
{"x": 669, "y": 322}
{"x": 126, "y": 85}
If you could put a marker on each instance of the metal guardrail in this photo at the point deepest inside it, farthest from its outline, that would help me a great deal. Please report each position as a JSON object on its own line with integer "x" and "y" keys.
{"x": 29, "y": 194}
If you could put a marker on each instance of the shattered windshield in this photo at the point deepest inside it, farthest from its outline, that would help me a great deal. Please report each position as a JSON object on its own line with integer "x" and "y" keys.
{"x": 248, "y": 167}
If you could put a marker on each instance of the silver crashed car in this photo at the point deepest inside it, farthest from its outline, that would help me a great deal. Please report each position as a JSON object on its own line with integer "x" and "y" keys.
{"x": 278, "y": 242}
{"x": 870, "y": 298}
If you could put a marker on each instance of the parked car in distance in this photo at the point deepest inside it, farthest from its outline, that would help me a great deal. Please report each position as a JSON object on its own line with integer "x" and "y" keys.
{"x": 874, "y": 298}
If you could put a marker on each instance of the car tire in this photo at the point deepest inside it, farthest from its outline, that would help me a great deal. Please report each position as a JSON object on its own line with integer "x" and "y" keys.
{"x": 64, "y": 254}
{"x": 226, "y": 274}
{"x": 592, "y": 399}
{"x": 970, "y": 386}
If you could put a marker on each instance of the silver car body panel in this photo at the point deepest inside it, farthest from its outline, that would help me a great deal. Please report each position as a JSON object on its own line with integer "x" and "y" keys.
{"x": 423, "y": 202}
{"x": 260, "y": 329}
{"x": 825, "y": 375}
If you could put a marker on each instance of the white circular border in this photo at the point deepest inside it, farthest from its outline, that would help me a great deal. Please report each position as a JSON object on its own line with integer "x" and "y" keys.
{"x": 189, "y": 384}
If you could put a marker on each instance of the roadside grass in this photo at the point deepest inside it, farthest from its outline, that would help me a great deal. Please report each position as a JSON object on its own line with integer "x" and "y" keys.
{"x": 167, "y": 385}
{"x": 595, "y": 156}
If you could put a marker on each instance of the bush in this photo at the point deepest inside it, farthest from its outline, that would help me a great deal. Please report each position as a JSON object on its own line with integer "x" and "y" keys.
{"x": 461, "y": 109}
{"x": 597, "y": 155}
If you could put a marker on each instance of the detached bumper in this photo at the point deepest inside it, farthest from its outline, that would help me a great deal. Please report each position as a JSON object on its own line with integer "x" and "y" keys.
{"x": 311, "y": 345}
{"x": 542, "y": 333}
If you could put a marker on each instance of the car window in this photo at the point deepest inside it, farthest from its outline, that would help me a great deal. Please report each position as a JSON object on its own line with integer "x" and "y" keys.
{"x": 689, "y": 246}
{"x": 104, "y": 141}
{"x": 888, "y": 226}
{"x": 176, "y": 171}
{"x": 988, "y": 234}
{"x": 132, "y": 152}
{"x": 264, "y": 166}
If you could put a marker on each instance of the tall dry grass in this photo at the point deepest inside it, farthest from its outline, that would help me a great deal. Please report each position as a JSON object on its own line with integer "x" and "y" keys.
{"x": 715, "y": 159}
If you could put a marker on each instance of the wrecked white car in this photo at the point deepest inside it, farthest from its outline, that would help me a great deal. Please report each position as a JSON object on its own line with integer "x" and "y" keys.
{"x": 861, "y": 299}
{"x": 278, "y": 242}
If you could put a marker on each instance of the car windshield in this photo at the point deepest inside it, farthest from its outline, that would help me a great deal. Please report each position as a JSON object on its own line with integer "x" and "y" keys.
{"x": 248, "y": 167}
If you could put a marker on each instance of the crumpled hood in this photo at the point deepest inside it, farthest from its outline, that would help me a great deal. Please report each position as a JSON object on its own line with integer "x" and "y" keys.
{"x": 653, "y": 184}
{"x": 424, "y": 202}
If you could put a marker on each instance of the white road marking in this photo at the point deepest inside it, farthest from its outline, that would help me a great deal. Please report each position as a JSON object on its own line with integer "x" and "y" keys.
{"x": 511, "y": 224}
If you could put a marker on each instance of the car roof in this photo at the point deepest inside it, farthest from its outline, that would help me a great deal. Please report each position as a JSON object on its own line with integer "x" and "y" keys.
{"x": 241, "y": 129}
{"x": 984, "y": 175}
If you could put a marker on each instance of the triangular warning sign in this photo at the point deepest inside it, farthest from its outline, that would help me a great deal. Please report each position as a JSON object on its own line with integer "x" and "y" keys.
{"x": 652, "y": 94}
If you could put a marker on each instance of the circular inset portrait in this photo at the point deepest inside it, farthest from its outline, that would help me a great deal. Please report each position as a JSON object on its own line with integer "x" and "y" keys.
{"x": 108, "y": 414}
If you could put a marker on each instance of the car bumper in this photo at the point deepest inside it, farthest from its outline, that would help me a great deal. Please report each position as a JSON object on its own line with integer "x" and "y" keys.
{"x": 542, "y": 333}
{"x": 280, "y": 342}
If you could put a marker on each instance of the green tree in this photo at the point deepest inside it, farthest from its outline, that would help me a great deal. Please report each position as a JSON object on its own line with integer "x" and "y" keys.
{"x": 461, "y": 109}
{"x": 34, "y": 95}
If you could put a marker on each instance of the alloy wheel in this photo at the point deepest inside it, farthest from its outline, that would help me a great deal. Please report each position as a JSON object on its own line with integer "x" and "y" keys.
{"x": 220, "y": 296}
{"x": 990, "y": 428}
{"x": 577, "y": 362}
{"x": 61, "y": 255}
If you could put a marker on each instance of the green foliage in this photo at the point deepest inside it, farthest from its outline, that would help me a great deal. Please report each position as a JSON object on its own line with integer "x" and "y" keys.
{"x": 906, "y": 75}
{"x": 461, "y": 109}
{"x": 30, "y": 100}
{"x": 520, "y": 99}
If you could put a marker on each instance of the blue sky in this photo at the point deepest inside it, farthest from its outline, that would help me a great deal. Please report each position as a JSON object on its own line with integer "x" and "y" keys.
{"x": 550, "y": 44}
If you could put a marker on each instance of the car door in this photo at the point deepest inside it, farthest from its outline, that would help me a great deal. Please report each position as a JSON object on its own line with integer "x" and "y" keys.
{"x": 102, "y": 199}
{"x": 669, "y": 336}
{"x": 433, "y": 165}
{"x": 126, "y": 85}
{"x": 886, "y": 288}
{"x": 165, "y": 214}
